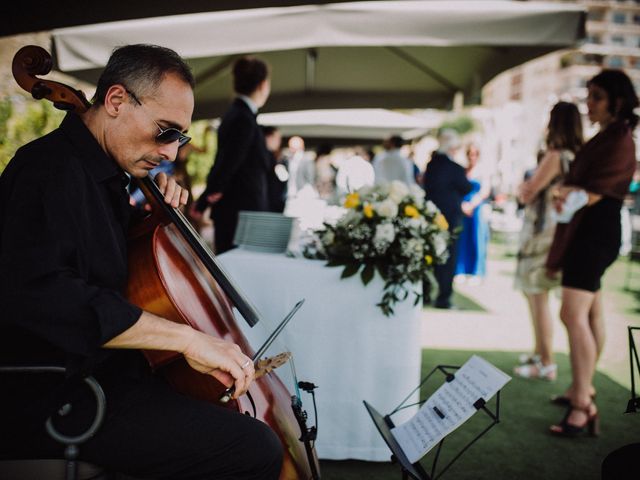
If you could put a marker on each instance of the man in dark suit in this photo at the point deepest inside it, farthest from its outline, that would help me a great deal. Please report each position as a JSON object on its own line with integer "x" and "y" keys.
{"x": 445, "y": 184}
{"x": 238, "y": 179}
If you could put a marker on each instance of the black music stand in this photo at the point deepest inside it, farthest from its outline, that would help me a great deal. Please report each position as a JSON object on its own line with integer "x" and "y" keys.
{"x": 384, "y": 424}
{"x": 634, "y": 403}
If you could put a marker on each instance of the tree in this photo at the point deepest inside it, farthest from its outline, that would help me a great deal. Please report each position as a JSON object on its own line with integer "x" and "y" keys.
{"x": 462, "y": 124}
{"x": 23, "y": 120}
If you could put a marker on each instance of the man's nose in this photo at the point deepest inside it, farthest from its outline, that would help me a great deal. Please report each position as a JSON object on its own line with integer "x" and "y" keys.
{"x": 169, "y": 151}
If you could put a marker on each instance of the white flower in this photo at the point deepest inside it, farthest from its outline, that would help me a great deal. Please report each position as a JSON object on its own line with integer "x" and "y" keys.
{"x": 414, "y": 247}
{"x": 439, "y": 244}
{"x": 360, "y": 232}
{"x": 431, "y": 207}
{"x": 416, "y": 223}
{"x": 397, "y": 191}
{"x": 416, "y": 191}
{"x": 385, "y": 233}
{"x": 387, "y": 208}
{"x": 328, "y": 237}
{"x": 366, "y": 190}
{"x": 382, "y": 190}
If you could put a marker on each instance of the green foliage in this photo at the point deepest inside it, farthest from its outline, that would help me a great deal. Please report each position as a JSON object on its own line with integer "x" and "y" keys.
{"x": 200, "y": 163}
{"x": 6, "y": 110}
{"x": 22, "y": 121}
{"x": 462, "y": 124}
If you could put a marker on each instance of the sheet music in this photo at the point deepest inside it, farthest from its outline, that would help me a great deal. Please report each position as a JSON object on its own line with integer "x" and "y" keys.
{"x": 449, "y": 407}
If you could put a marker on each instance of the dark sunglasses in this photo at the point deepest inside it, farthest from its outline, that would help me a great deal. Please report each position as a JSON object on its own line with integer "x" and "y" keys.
{"x": 166, "y": 135}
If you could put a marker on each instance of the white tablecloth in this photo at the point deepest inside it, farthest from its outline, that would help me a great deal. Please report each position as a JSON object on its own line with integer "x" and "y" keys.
{"x": 340, "y": 341}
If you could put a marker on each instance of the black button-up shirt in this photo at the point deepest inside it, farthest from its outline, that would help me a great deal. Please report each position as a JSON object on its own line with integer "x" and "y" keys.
{"x": 64, "y": 215}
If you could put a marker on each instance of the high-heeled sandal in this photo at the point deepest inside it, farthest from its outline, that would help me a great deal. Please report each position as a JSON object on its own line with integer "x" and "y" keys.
{"x": 591, "y": 427}
{"x": 564, "y": 401}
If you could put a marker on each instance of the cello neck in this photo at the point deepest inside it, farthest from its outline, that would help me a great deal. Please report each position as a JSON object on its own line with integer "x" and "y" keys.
{"x": 155, "y": 197}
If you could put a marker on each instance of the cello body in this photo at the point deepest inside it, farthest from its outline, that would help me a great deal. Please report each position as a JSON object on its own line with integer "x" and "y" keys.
{"x": 166, "y": 279}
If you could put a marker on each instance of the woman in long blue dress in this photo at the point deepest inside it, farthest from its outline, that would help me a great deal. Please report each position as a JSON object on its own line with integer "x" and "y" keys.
{"x": 474, "y": 236}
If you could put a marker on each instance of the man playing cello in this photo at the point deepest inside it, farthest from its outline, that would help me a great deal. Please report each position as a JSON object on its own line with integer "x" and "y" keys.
{"x": 64, "y": 216}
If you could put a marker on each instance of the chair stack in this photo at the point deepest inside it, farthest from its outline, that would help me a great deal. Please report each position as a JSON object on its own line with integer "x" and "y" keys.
{"x": 263, "y": 232}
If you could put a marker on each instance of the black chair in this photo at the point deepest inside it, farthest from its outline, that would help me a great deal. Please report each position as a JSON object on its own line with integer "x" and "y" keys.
{"x": 68, "y": 468}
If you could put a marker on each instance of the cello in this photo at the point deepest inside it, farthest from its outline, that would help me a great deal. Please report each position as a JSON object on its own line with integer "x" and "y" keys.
{"x": 173, "y": 274}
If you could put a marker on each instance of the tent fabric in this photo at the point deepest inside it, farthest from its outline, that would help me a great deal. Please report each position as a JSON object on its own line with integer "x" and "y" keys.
{"x": 397, "y": 23}
{"x": 372, "y": 124}
{"x": 384, "y": 54}
{"x": 42, "y": 15}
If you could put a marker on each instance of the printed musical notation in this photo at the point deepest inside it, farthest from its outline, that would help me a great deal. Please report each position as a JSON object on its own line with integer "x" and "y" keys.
{"x": 449, "y": 407}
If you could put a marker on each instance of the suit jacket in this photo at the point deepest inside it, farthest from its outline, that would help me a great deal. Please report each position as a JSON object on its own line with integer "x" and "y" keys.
{"x": 241, "y": 165}
{"x": 445, "y": 183}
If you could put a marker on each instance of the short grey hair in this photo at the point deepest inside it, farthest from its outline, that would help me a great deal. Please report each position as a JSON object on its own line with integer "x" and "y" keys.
{"x": 448, "y": 140}
{"x": 141, "y": 68}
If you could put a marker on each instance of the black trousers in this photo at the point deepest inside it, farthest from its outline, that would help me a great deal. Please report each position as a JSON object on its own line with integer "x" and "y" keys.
{"x": 225, "y": 222}
{"x": 150, "y": 431}
{"x": 444, "y": 275}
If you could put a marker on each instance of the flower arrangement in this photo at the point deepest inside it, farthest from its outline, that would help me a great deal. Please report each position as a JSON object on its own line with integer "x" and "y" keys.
{"x": 390, "y": 229}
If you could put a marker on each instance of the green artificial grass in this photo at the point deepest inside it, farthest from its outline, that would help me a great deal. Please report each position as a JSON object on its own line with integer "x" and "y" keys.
{"x": 462, "y": 302}
{"x": 520, "y": 445}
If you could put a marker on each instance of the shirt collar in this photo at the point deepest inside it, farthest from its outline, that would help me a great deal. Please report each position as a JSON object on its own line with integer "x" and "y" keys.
{"x": 250, "y": 103}
{"x": 97, "y": 162}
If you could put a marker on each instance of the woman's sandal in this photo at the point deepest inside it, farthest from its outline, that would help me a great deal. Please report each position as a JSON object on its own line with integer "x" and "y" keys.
{"x": 528, "y": 358}
{"x": 565, "y": 401}
{"x": 537, "y": 370}
{"x": 591, "y": 427}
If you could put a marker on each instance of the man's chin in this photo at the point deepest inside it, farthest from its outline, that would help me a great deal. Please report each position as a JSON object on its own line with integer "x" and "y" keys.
{"x": 140, "y": 172}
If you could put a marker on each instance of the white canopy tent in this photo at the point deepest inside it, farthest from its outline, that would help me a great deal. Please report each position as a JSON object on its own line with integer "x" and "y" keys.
{"x": 390, "y": 54}
{"x": 351, "y": 125}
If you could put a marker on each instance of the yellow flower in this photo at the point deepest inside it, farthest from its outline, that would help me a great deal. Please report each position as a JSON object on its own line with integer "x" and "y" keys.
{"x": 411, "y": 211}
{"x": 441, "y": 222}
{"x": 352, "y": 200}
{"x": 367, "y": 209}
{"x": 428, "y": 259}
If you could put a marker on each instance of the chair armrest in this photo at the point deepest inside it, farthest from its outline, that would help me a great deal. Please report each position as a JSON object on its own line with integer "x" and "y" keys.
{"x": 93, "y": 385}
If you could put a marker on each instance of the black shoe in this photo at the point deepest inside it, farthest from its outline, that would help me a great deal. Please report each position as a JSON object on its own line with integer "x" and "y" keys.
{"x": 591, "y": 426}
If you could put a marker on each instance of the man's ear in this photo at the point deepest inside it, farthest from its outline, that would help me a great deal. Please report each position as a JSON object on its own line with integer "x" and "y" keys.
{"x": 115, "y": 97}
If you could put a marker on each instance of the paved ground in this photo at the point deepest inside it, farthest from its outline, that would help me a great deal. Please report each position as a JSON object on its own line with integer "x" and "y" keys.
{"x": 504, "y": 324}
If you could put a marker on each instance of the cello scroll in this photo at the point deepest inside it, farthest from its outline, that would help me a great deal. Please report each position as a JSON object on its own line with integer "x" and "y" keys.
{"x": 31, "y": 61}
